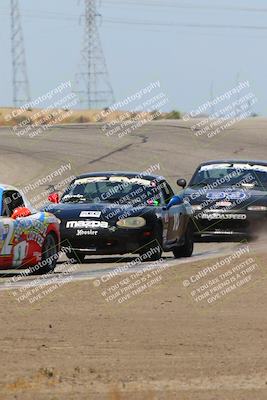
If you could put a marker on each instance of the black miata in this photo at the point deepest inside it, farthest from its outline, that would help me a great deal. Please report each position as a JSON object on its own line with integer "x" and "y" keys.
{"x": 123, "y": 212}
{"x": 229, "y": 199}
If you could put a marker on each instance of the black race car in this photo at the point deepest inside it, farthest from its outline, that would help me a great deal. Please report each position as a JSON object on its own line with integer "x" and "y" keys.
{"x": 123, "y": 212}
{"x": 229, "y": 199}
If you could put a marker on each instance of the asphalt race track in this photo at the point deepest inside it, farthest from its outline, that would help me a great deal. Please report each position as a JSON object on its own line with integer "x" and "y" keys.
{"x": 170, "y": 147}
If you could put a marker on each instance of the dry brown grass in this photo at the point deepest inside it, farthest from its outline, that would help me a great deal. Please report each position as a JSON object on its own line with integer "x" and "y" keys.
{"x": 41, "y": 117}
{"x": 60, "y": 116}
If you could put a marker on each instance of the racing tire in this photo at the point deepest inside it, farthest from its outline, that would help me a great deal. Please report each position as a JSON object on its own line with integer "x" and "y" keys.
{"x": 49, "y": 256}
{"x": 187, "y": 248}
{"x": 77, "y": 258}
{"x": 155, "y": 244}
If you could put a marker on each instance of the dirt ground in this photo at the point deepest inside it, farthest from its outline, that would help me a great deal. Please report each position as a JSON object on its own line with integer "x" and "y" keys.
{"x": 161, "y": 344}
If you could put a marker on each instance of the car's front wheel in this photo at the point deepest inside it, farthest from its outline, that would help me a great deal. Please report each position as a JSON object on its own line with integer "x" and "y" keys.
{"x": 187, "y": 248}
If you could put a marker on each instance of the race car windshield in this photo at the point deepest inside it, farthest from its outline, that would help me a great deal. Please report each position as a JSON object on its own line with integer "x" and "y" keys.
{"x": 233, "y": 175}
{"x": 119, "y": 191}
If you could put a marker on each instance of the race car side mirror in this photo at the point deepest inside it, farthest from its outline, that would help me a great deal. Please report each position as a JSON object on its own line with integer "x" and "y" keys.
{"x": 21, "y": 212}
{"x": 181, "y": 182}
{"x": 54, "y": 198}
{"x": 175, "y": 201}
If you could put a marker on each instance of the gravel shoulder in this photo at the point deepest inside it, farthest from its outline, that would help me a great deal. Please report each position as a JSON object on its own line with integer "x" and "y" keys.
{"x": 160, "y": 344}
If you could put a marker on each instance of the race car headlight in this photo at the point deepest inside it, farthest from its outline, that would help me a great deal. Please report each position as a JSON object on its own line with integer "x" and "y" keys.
{"x": 196, "y": 207}
{"x": 257, "y": 208}
{"x": 132, "y": 222}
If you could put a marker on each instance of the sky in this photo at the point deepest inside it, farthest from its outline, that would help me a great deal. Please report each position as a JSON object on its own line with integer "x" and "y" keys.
{"x": 145, "y": 41}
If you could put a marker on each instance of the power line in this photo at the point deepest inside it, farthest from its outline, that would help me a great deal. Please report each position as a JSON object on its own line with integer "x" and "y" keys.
{"x": 67, "y": 17}
{"x": 184, "y": 25}
{"x": 164, "y": 4}
{"x": 149, "y": 3}
{"x": 156, "y": 23}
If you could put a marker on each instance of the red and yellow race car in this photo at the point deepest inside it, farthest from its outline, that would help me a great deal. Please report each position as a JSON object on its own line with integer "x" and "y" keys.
{"x": 28, "y": 239}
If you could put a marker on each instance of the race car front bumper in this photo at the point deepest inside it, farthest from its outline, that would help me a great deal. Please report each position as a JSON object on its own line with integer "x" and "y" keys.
{"x": 106, "y": 242}
{"x": 230, "y": 225}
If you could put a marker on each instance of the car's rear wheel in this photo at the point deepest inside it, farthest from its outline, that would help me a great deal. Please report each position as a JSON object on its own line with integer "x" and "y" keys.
{"x": 153, "y": 250}
{"x": 49, "y": 256}
{"x": 187, "y": 248}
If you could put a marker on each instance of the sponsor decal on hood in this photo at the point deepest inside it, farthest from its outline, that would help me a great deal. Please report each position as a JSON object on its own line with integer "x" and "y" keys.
{"x": 228, "y": 195}
{"x": 90, "y": 214}
{"x": 86, "y": 224}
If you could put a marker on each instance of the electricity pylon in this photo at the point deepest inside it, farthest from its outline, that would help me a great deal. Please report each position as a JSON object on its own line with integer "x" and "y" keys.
{"x": 21, "y": 88}
{"x": 93, "y": 85}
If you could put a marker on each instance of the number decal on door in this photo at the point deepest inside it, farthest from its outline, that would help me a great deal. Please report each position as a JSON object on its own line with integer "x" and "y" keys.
{"x": 6, "y": 234}
{"x": 176, "y": 222}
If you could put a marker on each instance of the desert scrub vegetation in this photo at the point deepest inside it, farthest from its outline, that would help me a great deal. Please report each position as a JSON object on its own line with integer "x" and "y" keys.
{"x": 173, "y": 115}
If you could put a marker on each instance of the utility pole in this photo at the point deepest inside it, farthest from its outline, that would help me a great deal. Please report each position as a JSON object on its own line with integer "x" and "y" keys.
{"x": 93, "y": 84}
{"x": 21, "y": 88}
{"x": 212, "y": 98}
{"x": 238, "y": 95}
